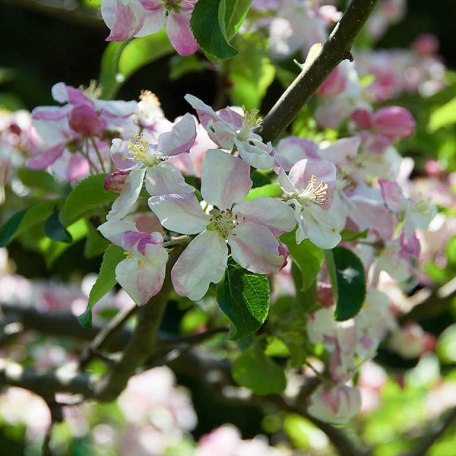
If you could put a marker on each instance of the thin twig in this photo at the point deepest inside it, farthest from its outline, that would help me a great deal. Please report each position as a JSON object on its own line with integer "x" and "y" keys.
{"x": 336, "y": 49}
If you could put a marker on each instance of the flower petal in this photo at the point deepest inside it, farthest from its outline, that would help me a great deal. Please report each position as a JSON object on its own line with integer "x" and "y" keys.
{"x": 255, "y": 248}
{"x": 225, "y": 179}
{"x": 202, "y": 262}
{"x": 142, "y": 276}
{"x": 124, "y": 20}
{"x": 274, "y": 214}
{"x": 255, "y": 153}
{"x": 180, "y": 213}
{"x": 179, "y": 139}
{"x": 180, "y": 34}
{"x": 165, "y": 179}
{"x": 320, "y": 225}
{"x": 129, "y": 195}
{"x": 114, "y": 230}
{"x": 45, "y": 159}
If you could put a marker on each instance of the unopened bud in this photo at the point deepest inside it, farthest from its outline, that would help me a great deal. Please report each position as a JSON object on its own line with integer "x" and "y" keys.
{"x": 115, "y": 181}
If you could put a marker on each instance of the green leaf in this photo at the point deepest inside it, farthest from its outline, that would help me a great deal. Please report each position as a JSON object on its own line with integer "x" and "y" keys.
{"x": 244, "y": 298}
{"x": 87, "y": 195}
{"x": 307, "y": 257}
{"x": 271, "y": 190}
{"x": 105, "y": 281}
{"x": 443, "y": 116}
{"x": 95, "y": 244}
{"x": 251, "y": 72}
{"x": 24, "y": 219}
{"x": 348, "y": 280}
{"x": 39, "y": 179}
{"x": 256, "y": 371}
{"x": 54, "y": 229}
{"x": 210, "y": 33}
{"x": 121, "y": 59}
{"x": 235, "y": 14}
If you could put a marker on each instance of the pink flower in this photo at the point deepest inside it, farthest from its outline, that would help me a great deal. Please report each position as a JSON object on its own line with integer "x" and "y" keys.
{"x": 135, "y": 18}
{"x": 393, "y": 122}
{"x": 142, "y": 272}
{"x": 249, "y": 228}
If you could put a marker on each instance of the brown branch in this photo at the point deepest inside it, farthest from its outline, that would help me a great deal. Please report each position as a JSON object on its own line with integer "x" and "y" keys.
{"x": 336, "y": 49}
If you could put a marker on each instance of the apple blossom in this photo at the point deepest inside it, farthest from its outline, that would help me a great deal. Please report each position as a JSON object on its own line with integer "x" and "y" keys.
{"x": 142, "y": 272}
{"x": 130, "y": 18}
{"x": 146, "y": 161}
{"x": 249, "y": 227}
{"x": 230, "y": 129}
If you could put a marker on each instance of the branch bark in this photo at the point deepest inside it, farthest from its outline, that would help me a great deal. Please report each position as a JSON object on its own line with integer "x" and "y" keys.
{"x": 336, "y": 49}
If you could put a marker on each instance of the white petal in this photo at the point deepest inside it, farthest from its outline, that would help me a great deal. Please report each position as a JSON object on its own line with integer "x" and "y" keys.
{"x": 179, "y": 139}
{"x": 255, "y": 153}
{"x": 255, "y": 248}
{"x": 180, "y": 213}
{"x": 114, "y": 230}
{"x": 202, "y": 262}
{"x": 129, "y": 195}
{"x": 321, "y": 227}
{"x": 165, "y": 179}
{"x": 274, "y": 214}
{"x": 225, "y": 179}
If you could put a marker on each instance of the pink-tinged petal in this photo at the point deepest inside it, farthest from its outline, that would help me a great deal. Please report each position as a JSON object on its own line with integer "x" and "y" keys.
{"x": 293, "y": 149}
{"x": 221, "y": 133}
{"x": 205, "y": 112}
{"x": 50, "y": 112}
{"x": 371, "y": 213}
{"x": 337, "y": 405}
{"x": 285, "y": 183}
{"x": 67, "y": 94}
{"x": 129, "y": 195}
{"x": 142, "y": 276}
{"x": 335, "y": 83}
{"x": 225, "y": 179}
{"x": 165, "y": 179}
{"x": 154, "y": 17}
{"x": 362, "y": 118}
{"x": 115, "y": 108}
{"x": 180, "y": 33}
{"x": 231, "y": 117}
{"x": 203, "y": 262}
{"x": 341, "y": 152}
{"x": 45, "y": 159}
{"x": 120, "y": 154}
{"x": 255, "y": 248}
{"x": 114, "y": 230}
{"x": 137, "y": 241}
{"x": 320, "y": 226}
{"x": 124, "y": 20}
{"x": 179, "y": 139}
{"x": 78, "y": 167}
{"x": 255, "y": 153}
{"x": 180, "y": 213}
{"x": 272, "y": 213}
{"x": 392, "y": 194}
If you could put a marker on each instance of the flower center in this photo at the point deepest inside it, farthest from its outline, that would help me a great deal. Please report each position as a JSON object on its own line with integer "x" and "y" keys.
{"x": 222, "y": 222}
{"x": 172, "y": 6}
{"x": 316, "y": 192}
{"x": 141, "y": 151}
{"x": 251, "y": 122}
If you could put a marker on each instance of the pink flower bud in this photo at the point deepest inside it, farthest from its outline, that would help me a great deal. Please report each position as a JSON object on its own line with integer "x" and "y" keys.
{"x": 115, "y": 181}
{"x": 336, "y": 405}
{"x": 394, "y": 122}
{"x": 83, "y": 119}
{"x": 362, "y": 118}
{"x": 433, "y": 168}
{"x": 335, "y": 83}
{"x": 426, "y": 44}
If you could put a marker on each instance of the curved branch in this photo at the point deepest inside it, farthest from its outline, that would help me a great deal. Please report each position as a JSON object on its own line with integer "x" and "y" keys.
{"x": 336, "y": 49}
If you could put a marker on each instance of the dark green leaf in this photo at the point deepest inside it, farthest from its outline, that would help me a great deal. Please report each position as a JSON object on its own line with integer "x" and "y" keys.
{"x": 256, "y": 371}
{"x": 210, "y": 33}
{"x": 95, "y": 244}
{"x": 307, "y": 257}
{"x": 235, "y": 14}
{"x": 244, "y": 298}
{"x": 87, "y": 195}
{"x": 348, "y": 280}
{"x": 25, "y": 219}
{"x": 105, "y": 281}
{"x": 54, "y": 229}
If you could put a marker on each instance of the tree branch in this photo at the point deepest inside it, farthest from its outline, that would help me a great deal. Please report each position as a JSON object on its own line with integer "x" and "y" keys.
{"x": 336, "y": 49}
